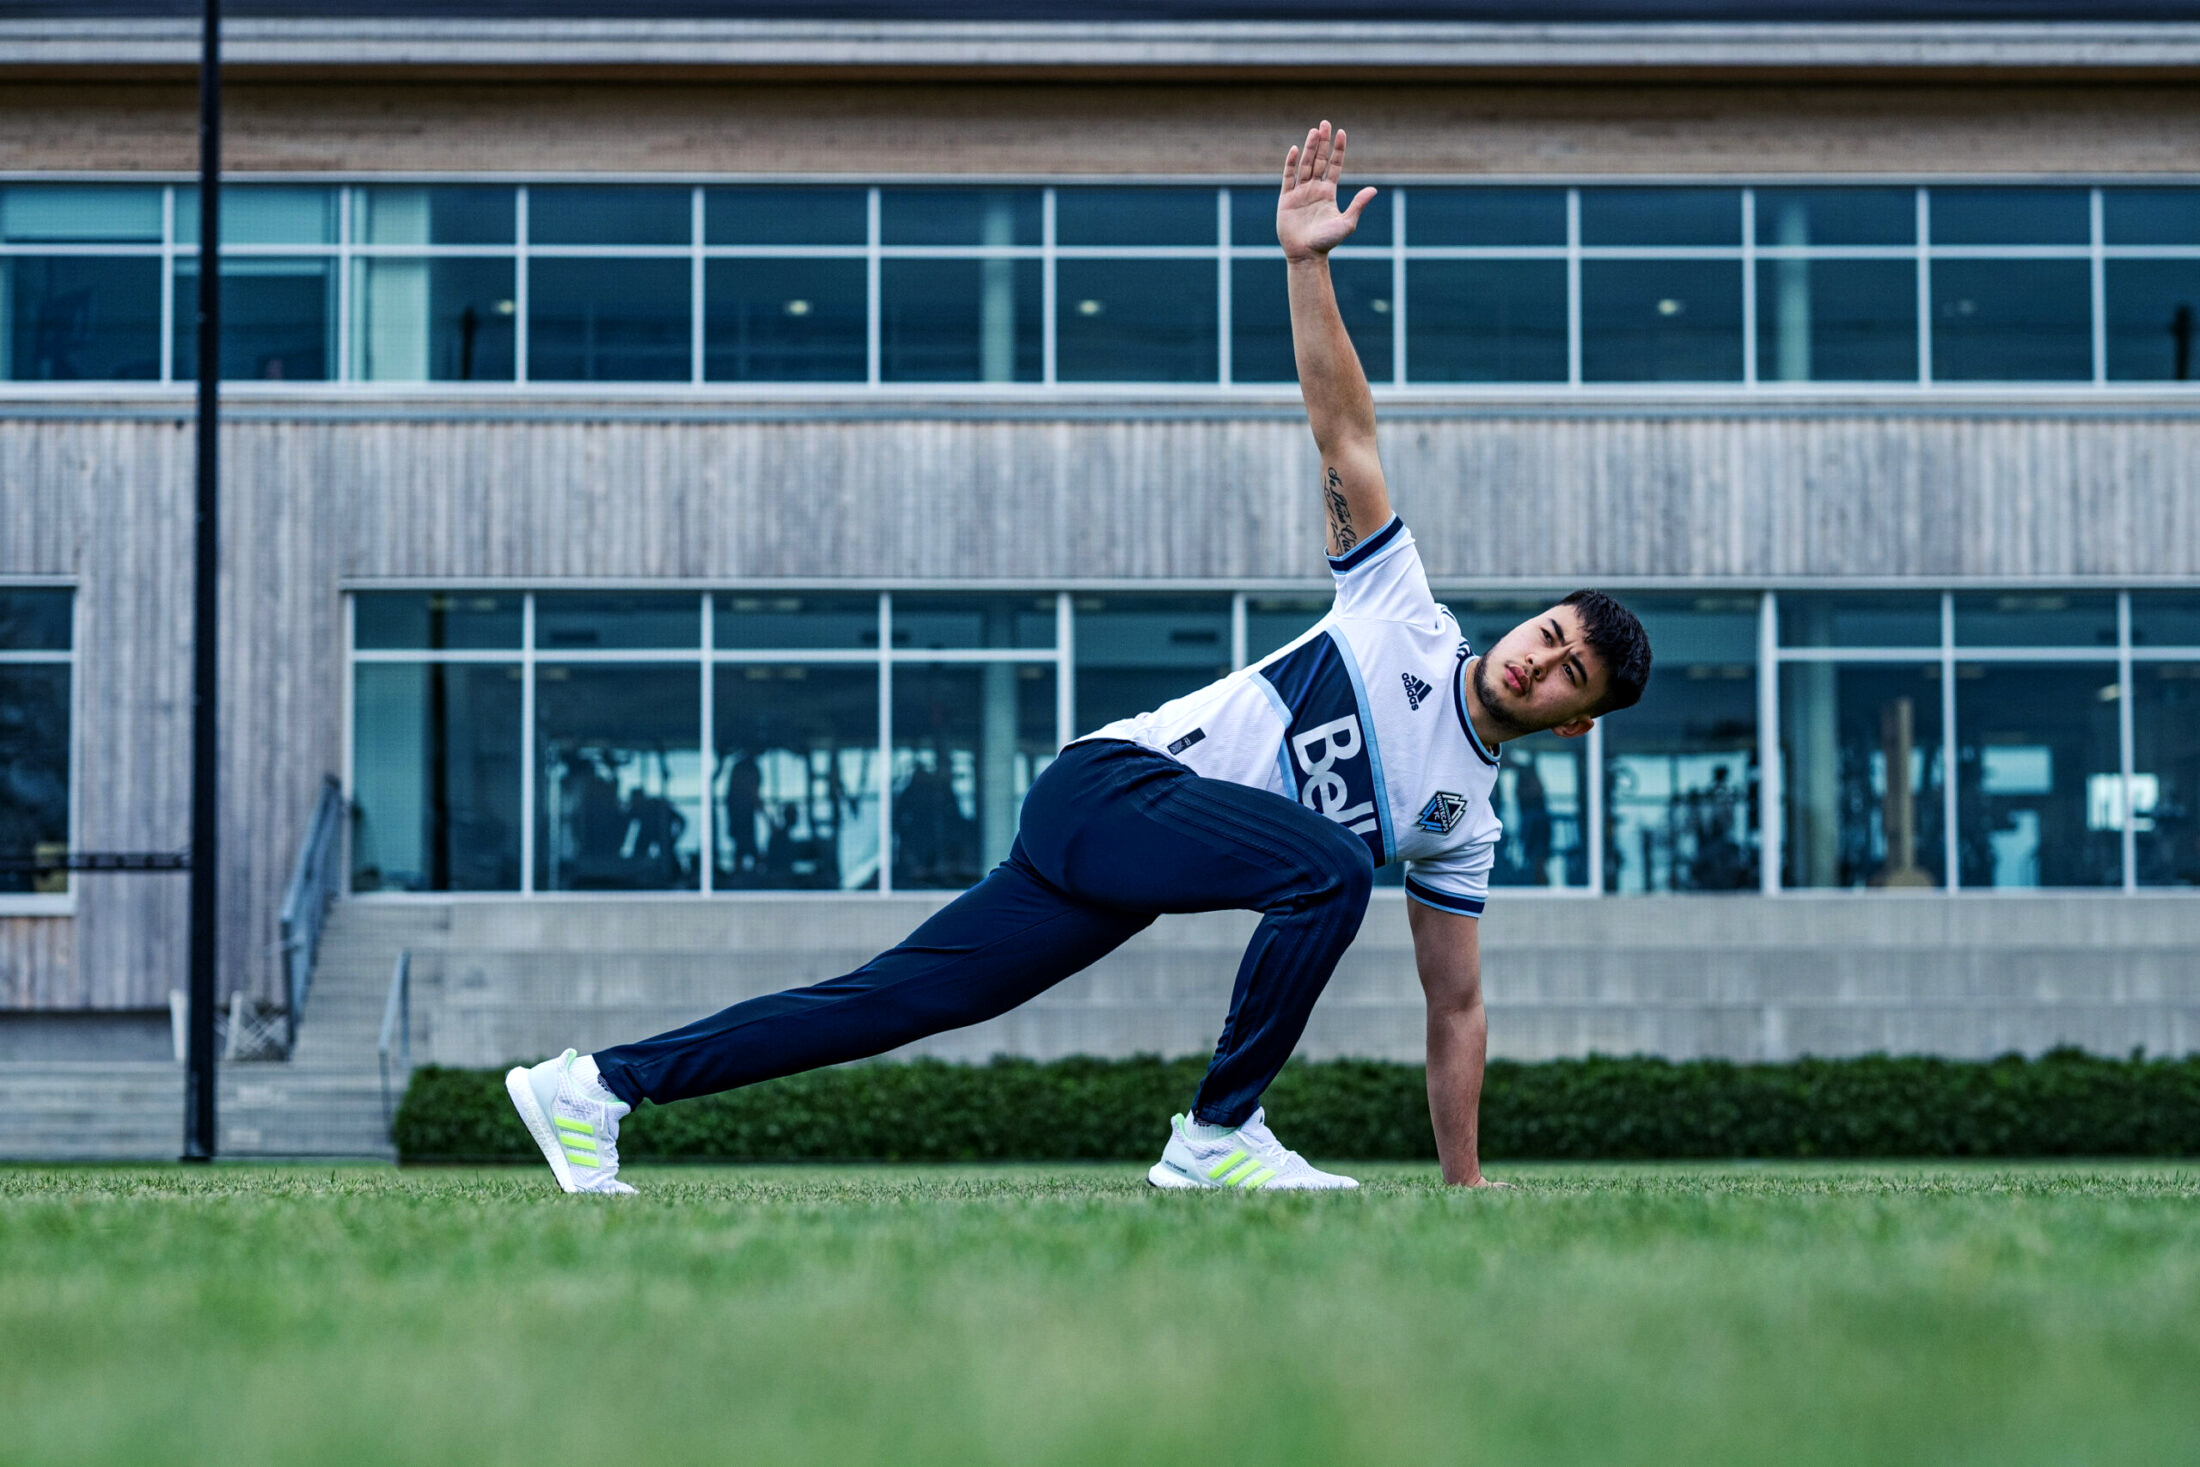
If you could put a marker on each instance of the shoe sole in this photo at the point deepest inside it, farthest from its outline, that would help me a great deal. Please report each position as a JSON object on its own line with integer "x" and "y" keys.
{"x": 1172, "y": 1181}
{"x": 538, "y": 1126}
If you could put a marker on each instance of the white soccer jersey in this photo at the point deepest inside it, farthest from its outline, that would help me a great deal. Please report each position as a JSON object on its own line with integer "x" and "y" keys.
{"x": 1362, "y": 719}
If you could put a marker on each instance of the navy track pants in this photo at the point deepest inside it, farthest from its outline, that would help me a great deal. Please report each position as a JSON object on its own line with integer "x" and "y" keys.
{"x": 1112, "y": 836}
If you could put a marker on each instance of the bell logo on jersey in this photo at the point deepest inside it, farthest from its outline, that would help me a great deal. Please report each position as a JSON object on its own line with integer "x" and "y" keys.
{"x": 1319, "y": 751}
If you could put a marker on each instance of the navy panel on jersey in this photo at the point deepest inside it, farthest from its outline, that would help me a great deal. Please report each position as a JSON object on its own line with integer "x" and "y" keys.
{"x": 1328, "y": 750}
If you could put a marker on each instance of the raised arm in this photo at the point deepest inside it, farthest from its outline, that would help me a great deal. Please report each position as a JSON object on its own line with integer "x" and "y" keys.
{"x": 1339, "y": 407}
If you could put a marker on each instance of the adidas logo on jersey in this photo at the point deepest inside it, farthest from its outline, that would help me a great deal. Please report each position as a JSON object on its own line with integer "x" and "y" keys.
{"x": 1416, "y": 690}
{"x": 1441, "y": 812}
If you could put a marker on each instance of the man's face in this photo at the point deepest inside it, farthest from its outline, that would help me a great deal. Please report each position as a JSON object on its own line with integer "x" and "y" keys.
{"x": 1541, "y": 675}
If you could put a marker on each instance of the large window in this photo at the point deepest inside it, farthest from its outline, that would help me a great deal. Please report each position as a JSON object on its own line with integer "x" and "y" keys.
{"x": 787, "y": 740}
{"x": 1179, "y": 287}
{"x": 35, "y": 677}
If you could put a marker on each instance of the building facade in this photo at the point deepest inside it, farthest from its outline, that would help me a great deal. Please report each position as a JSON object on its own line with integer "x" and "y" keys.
{"x": 685, "y": 476}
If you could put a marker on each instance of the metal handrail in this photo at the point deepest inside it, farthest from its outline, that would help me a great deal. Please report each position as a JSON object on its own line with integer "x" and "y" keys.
{"x": 313, "y": 884}
{"x": 396, "y": 1031}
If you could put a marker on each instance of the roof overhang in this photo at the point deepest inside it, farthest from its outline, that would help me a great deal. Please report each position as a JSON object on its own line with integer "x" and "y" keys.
{"x": 512, "y": 49}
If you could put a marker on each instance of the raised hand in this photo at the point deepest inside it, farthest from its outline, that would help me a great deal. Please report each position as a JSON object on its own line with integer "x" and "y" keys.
{"x": 1308, "y": 221}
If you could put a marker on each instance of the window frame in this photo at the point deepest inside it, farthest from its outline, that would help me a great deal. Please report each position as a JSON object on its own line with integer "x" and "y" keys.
{"x": 61, "y": 903}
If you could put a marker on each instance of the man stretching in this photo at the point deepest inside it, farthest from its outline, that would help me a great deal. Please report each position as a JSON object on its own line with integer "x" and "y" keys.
{"x": 1372, "y": 738}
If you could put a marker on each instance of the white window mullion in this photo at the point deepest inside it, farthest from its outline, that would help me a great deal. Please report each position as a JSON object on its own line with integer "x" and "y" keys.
{"x": 1240, "y": 654}
{"x": 1065, "y": 669}
{"x": 2098, "y": 274}
{"x": 1925, "y": 296}
{"x": 1950, "y": 843}
{"x": 1397, "y": 287}
{"x": 1573, "y": 326}
{"x": 707, "y": 764}
{"x": 168, "y": 283}
{"x": 1749, "y": 288}
{"x": 695, "y": 286}
{"x": 1594, "y": 757}
{"x": 885, "y": 717}
{"x": 1223, "y": 321}
{"x": 519, "y": 302}
{"x": 1770, "y": 812}
{"x": 527, "y": 743}
{"x": 2127, "y": 740}
{"x": 1046, "y": 287}
{"x": 871, "y": 308}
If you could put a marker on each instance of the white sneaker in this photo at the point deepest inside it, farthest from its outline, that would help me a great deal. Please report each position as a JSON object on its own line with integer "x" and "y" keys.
{"x": 1249, "y": 1157}
{"x": 573, "y": 1122}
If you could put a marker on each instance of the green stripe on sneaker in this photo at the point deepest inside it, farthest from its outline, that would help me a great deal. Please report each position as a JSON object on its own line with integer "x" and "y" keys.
{"x": 1254, "y": 1177}
{"x": 577, "y": 1148}
{"x": 583, "y": 1127}
{"x": 1228, "y": 1163}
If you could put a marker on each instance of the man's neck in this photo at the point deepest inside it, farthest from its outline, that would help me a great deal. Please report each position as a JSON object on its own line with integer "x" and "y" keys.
{"x": 1486, "y": 726}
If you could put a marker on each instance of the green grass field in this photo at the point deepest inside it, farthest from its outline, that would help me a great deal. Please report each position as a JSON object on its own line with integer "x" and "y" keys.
{"x": 1794, "y": 1314}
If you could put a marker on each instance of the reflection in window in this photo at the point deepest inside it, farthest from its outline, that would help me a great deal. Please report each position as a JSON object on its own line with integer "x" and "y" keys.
{"x": 794, "y": 780}
{"x": 1661, "y": 216}
{"x": 2012, "y": 321}
{"x": 2036, "y": 759}
{"x": 278, "y": 319}
{"x": 2011, "y": 216}
{"x": 1661, "y": 321}
{"x": 76, "y": 318}
{"x": 1486, "y": 217}
{"x": 1135, "y": 653}
{"x": 1680, "y": 767}
{"x": 2035, "y": 619}
{"x": 2165, "y": 618}
{"x": 1836, "y": 320}
{"x": 607, "y": 320}
{"x": 618, "y": 786}
{"x": 433, "y": 320}
{"x": 935, "y": 623}
{"x": 1862, "y": 768}
{"x": 1541, "y": 795}
{"x": 436, "y": 777}
{"x": 2151, "y": 319}
{"x": 785, "y": 216}
{"x": 968, "y": 741}
{"x": 2165, "y": 794}
{"x": 436, "y": 621}
{"x": 959, "y": 320}
{"x": 2144, "y": 216}
{"x": 794, "y": 620}
{"x": 34, "y": 772}
{"x": 1486, "y": 320}
{"x": 79, "y": 214}
{"x": 1260, "y": 318}
{"x": 616, "y": 215}
{"x": 1796, "y": 218}
{"x": 1136, "y": 321}
{"x": 574, "y": 621}
{"x": 784, "y": 321}
{"x": 959, "y": 216}
{"x": 1137, "y": 216}
{"x": 410, "y": 215}
{"x": 1859, "y": 619}
{"x": 263, "y": 214}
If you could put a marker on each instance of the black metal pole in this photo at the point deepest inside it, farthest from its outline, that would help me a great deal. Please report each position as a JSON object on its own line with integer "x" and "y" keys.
{"x": 198, "y": 1091}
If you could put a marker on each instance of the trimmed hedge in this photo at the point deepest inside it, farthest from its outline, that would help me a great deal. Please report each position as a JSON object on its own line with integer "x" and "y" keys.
{"x": 2066, "y": 1103}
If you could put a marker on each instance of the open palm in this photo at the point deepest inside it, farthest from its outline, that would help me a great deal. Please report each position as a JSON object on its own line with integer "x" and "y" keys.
{"x": 1308, "y": 221}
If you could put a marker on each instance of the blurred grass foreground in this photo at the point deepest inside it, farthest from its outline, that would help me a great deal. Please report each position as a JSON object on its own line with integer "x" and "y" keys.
{"x": 1801, "y": 1314}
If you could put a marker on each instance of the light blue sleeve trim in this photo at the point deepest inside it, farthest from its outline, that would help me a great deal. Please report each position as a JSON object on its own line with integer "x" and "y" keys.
{"x": 1283, "y": 735}
{"x": 1374, "y": 752}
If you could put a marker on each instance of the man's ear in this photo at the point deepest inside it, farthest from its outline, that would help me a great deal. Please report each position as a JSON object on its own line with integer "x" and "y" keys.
{"x": 1575, "y": 729}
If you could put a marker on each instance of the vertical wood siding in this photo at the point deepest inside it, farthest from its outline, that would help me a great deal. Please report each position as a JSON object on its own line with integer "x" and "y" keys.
{"x": 313, "y": 503}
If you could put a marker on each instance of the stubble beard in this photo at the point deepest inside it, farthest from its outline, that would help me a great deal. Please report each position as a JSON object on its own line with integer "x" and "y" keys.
{"x": 1500, "y": 715}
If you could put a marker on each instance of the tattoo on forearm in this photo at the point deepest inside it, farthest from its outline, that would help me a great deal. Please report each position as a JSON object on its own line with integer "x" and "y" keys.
{"x": 1340, "y": 514}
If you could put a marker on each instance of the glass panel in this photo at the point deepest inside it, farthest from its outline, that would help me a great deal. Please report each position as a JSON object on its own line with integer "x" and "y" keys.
{"x": 959, "y": 320}
{"x": 1680, "y": 767}
{"x": 771, "y": 216}
{"x": 968, "y": 741}
{"x": 1836, "y": 320}
{"x": 436, "y": 777}
{"x": 2151, "y": 309}
{"x": 2035, "y": 619}
{"x": 1859, "y": 619}
{"x": 2034, "y": 744}
{"x": 1487, "y": 321}
{"x": 1842, "y": 728}
{"x": 278, "y": 320}
{"x": 939, "y": 623}
{"x": 74, "y": 318}
{"x": 1541, "y": 797}
{"x": 2012, "y": 321}
{"x": 1135, "y": 216}
{"x": 1136, "y": 321}
{"x": 34, "y": 772}
{"x": 618, "y": 782}
{"x": 2026, "y": 216}
{"x": 607, "y": 320}
{"x": 1791, "y": 218}
{"x": 955, "y": 216}
{"x": 768, "y": 620}
{"x": 1135, "y": 653}
{"x": 2165, "y": 796}
{"x": 436, "y": 621}
{"x": 568, "y": 621}
{"x": 1661, "y": 321}
{"x": 784, "y": 321}
{"x": 34, "y": 619}
{"x": 1272, "y": 622}
{"x": 568, "y": 215}
{"x": 1661, "y": 216}
{"x": 2144, "y": 216}
{"x": 399, "y": 215}
{"x": 79, "y": 214}
{"x": 1486, "y": 216}
{"x": 433, "y": 321}
{"x": 2165, "y": 618}
{"x": 795, "y": 783}
{"x": 257, "y": 214}
{"x": 1260, "y": 318}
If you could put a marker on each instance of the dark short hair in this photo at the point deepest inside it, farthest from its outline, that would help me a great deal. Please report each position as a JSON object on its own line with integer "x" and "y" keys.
{"x": 1620, "y": 643}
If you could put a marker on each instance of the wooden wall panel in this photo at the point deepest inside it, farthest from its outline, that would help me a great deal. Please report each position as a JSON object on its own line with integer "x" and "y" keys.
{"x": 315, "y": 502}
